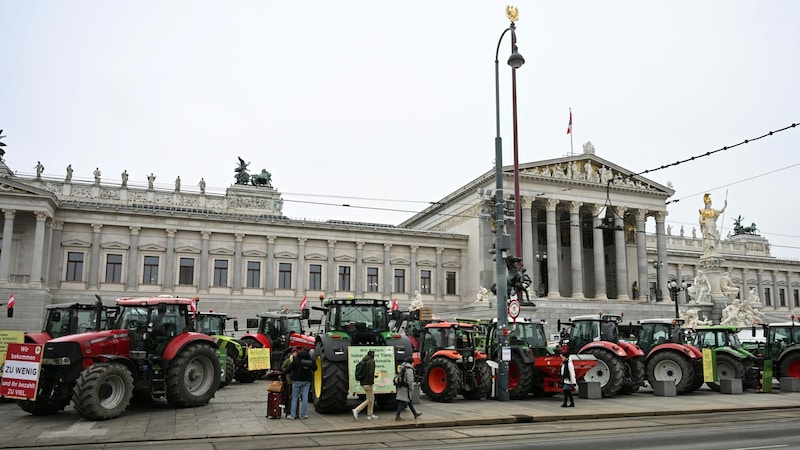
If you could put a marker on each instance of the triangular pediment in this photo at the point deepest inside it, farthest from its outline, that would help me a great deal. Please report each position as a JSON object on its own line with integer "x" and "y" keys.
{"x": 286, "y": 255}
{"x": 400, "y": 262}
{"x": 152, "y": 248}
{"x": 115, "y": 246}
{"x": 76, "y": 243}
{"x": 316, "y": 257}
{"x": 221, "y": 252}
{"x": 373, "y": 260}
{"x": 451, "y": 265}
{"x": 11, "y": 186}
{"x": 344, "y": 258}
{"x": 187, "y": 249}
{"x": 426, "y": 263}
{"x": 254, "y": 254}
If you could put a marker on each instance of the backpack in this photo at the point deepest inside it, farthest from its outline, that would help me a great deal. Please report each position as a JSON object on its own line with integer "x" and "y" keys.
{"x": 400, "y": 378}
{"x": 361, "y": 370}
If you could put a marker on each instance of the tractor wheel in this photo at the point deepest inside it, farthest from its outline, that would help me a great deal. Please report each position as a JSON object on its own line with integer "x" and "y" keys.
{"x": 520, "y": 378}
{"x": 727, "y": 367}
{"x": 330, "y": 383}
{"x": 230, "y": 368}
{"x": 608, "y": 372}
{"x": 246, "y": 376}
{"x": 44, "y": 406}
{"x": 483, "y": 382}
{"x": 193, "y": 376}
{"x": 442, "y": 380}
{"x": 103, "y": 391}
{"x": 671, "y": 366}
{"x": 636, "y": 366}
{"x": 790, "y": 366}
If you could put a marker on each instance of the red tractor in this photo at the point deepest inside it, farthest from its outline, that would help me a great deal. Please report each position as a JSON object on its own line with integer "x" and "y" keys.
{"x": 669, "y": 357}
{"x": 151, "y": 351}
{"x": 451, "y": 364}
{"x": 72, "y": 318}
{"x": 620, "y": 364}
{"x": 278, "y": 331}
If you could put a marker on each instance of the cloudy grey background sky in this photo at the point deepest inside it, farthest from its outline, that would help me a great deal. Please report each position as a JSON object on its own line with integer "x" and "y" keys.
{"x": 386, "y": 106}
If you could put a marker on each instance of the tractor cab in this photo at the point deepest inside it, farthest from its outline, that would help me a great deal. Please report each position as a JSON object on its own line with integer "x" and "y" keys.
{"x": 153, "y": 323}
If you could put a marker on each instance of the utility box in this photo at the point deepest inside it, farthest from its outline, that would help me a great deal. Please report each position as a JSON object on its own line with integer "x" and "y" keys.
{"x": 415, "y": 394}
{"x": 730, "y": 385}
{"x": 789, "y": 384}
{"x": 665, "y": 388}
{"x": 589, "y": 390}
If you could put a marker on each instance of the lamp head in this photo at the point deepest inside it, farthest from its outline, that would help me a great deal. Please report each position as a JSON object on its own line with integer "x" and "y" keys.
{"x": 516, "y": 60}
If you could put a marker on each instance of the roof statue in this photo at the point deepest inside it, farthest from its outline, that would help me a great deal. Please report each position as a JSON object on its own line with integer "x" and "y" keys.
{"x": 738, "y": 229}
{"x": 242, "y": 176}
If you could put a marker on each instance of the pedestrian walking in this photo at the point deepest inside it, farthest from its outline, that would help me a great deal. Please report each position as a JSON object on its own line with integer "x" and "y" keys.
{"x": 300, "y": 370}
{"x": 567, "y": 380}
{"x": 367, "y": 382}
{"x": 286, "y": 390}
{"x": 405, "y": 383}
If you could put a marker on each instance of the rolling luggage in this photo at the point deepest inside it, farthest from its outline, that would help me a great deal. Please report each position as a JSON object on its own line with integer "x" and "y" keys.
{"x": 274, "y": 405}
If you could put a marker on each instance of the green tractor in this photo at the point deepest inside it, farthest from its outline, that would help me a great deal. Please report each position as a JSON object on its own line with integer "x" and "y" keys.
{"x": 732, "y": 358}
{"x": 350, "y": 322}
{"x": 213, "y": 324}
{"x": 779, "y": 352}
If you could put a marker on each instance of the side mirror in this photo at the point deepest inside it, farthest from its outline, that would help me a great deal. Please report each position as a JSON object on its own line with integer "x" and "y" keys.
{"x": 235, "y": 324}
{"x": 55, "y": 317}
{"x": 305, "y": 313}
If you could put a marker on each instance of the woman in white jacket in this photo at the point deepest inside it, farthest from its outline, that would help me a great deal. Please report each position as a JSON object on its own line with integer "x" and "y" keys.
{"x": 567, "y": 379}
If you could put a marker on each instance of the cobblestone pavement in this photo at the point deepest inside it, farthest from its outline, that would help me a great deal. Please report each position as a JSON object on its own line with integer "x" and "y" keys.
{"x": 240, "y": 410}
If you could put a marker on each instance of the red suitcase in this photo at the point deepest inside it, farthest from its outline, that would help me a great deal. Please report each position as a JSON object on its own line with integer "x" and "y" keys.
{"x": 274, "y": 405}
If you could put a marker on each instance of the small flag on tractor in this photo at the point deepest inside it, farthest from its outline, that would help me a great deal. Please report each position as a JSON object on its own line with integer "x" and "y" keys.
{"x": 395, "y": 306}
{"x": 10, "y": 306}
{"x": 304, "y": 303}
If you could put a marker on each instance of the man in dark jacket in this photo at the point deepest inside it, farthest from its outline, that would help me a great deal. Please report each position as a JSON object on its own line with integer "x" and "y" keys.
{"x": 300, "y": 370}
{"x": 367, "y": 383}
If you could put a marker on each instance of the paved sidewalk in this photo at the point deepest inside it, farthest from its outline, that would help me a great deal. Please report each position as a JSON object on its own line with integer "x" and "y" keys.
{"x": 240, "y": 410}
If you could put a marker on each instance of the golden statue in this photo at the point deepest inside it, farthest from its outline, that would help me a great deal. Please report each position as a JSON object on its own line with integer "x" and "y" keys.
{"x": 708, "y": 225}
{"x": 512, "y": 13}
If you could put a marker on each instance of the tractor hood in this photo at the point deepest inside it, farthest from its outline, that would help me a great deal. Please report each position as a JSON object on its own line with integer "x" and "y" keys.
{"x": 103, "y": 342}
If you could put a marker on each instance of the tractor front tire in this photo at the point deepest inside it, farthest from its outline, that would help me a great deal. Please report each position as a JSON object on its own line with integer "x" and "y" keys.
{"x": 520, "y": 378}
{"x": 790, "y": 366}
{"x": 330, "y": 383}
{"x": 671, "y": 366}
{"x": 442, "y": 380}
{"x": 44, "y": 406}
{"x": 103, "y": 391}
{"x": 483, "y": 382}
{"x": 193, "y": 376}
{"x": 608, "y": 372}
{"x": 728, "y": 367}
{"x": 230, "y": 368}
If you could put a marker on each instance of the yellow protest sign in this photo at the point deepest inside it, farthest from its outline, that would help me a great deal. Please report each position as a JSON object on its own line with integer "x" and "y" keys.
{"x": 709, "y": 365}
{"x": 7, "y": 337}
{"x": 385, "y": 369}
{"x": 258, "y": 359}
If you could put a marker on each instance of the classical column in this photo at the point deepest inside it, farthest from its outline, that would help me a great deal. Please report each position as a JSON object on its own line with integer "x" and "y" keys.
{"x": 745, "y": 287}
{"x": 776, "y": 297}
{"x": 413, "y": 276}
{"x": 598, "y": 252}
{"x": 133, "y": 260}
{"x": 94, "y": 259}
{"x": 38, "y": 248}
{"x": 205, "y": 237}
{"x": 641, "y": 252}
{"x": 439, "y": 275}
{"x": 300, "y": 289}
{"x": 552, "y": 249}
{"x": 619, "y": 248}
{"x": 169, "y": 260}
{"x": 761, "y": 294}
{"x": 359, "y": 281}
{"x": 330, "y": 278}
{"x": 270, "y": 275}
{"x": 661, "y": 251}
{"x": 237, "y": 262}
{"x": 533, "y": 269}
{"x": 679, "y": 278}
{"x": 56, "y": 255}
{"x": 529, "y": 246}
{"x": 8, "y": 236}
{"x": 576, "y": 249}
{"x": 387, "y": 271}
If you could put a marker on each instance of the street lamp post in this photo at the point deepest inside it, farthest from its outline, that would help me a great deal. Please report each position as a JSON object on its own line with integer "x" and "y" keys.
{"x": 674, "y": 289}
{"x": 658, "y": 265}
{"x": 502, "y": 240}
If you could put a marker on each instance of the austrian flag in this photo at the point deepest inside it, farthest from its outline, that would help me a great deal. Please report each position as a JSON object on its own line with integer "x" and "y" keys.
{"x": 193, "y": 306}
{"x": 569, "y": 127}
{"x": 10, "y": 303}
{"x": 395, "y": 306}
{"x": 304, "y": 303}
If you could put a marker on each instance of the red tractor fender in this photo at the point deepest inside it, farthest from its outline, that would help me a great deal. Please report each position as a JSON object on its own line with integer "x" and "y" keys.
{"x": 262, "y": 339}
{"x": 301, "y": 340}
{"x": 610, "y": 346}
{"x": 445, "y": 353}
{"x": 631, "y": 349}
{"x": 39, "y": 337}
{"x": 182, "y": 340}
{"x": 689, "y": 351}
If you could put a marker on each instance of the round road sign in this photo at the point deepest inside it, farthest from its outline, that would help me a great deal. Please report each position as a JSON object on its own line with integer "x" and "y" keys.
{"x": 513, "y": 308}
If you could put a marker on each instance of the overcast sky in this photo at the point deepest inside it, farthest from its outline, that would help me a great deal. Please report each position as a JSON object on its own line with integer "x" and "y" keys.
{"x": 386, "y": 106}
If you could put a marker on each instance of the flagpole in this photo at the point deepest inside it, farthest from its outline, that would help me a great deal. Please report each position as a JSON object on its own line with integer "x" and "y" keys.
{"x": 569, "y": 130}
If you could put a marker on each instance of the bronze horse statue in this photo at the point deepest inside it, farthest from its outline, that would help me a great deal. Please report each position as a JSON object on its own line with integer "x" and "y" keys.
{"x": 261, "y": 179}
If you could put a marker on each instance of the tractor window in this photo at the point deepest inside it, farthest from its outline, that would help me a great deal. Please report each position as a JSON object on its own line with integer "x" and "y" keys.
{"x": 706, "y": 339}
{"x": 582, "y": 333}
{"x": 60, "y": 327}
{"x": 86, "y": 320}
{"x": 132, "y": 317}
{"x": 293, "y": 325}
{"x": 609, "y": 332}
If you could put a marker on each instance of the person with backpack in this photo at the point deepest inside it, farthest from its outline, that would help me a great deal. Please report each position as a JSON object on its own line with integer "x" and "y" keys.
{"x": 567, "y": 379}
{"x": 405, "y": 382}
{"x": 300, "y": 370}
{"x": 286, "y": 390}
{"x": 367, "y": 381}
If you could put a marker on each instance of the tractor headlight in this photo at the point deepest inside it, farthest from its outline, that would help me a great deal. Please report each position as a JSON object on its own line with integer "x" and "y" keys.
{"x": 62, "y": 361}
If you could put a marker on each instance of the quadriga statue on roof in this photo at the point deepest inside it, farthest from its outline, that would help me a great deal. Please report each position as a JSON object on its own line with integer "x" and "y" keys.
{"x": 261, "y": 179}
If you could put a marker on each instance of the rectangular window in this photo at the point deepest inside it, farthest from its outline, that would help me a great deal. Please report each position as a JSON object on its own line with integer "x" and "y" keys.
{"x": 372, "y": 279}
{"x": 315, "y": 277}
{"x": 399, "y": 280}
{"x": 186, "y": 272}
{"x": 113, "y": 268}
{"x": 796, "y": 298}
{"x": 424, "y": 281}
{"x": 74, "y": 266}
{"x": 220, "y": 272}
{"x": 284, "y": 276}
{"x": 344, "y": 278}
{"x": 253, "y": 274}
{"x": 450, "y": 283}
{"x": 767, "y": 297}
{"x": 782, "y": 295}
{"x": 150, "y": 272}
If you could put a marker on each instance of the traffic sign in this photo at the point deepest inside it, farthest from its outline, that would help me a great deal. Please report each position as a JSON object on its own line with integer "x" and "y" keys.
{"x": 513, "y": 308}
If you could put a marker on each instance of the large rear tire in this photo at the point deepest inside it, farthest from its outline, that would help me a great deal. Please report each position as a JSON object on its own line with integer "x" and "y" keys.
{"x": 520, "y": 378}
{"x": 728, "y": 367}
{"x": 483, "y": 382}
{"x": 608, "y": 372}
{"x": 790, "y": 366}
{"x": 671, "y": 366}
{"x": 330, "y": 383}
{"x": 636, "y": 366}
{"x": 103, "y": 391}
{"x": 442, "y": 380}
{"x": 193, "y": 376}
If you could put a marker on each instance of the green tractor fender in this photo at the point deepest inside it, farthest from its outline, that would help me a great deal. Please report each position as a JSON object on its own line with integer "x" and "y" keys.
{"x": 335, "y": 345}
{"x": 231, "y": 345}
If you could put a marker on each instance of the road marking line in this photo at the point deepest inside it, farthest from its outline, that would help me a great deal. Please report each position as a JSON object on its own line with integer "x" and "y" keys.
{"x": 80, "y": 428}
